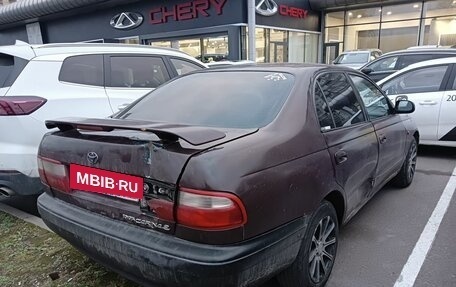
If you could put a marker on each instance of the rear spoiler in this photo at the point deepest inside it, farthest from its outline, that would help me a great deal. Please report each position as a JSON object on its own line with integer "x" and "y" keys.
{"x": 194, "y": 135}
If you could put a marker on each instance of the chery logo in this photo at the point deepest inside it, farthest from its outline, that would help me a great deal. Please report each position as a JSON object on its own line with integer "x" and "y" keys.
{"x": 270, "y": 8}
{"x": 126, "y": 20}
{"x": 267, "y": 7}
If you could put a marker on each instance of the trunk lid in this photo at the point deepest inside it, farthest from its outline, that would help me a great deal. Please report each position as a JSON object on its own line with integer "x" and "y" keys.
{"x": 157, "y": 153}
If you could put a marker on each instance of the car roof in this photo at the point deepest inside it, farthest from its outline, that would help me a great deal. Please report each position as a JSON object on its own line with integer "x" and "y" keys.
{"x": 28, "y": 52}
{"x": 362, "y": 50}
{"x": 421, "y": 51}
{"x": 293, "y": 68}
{"x": 440, "y": 61}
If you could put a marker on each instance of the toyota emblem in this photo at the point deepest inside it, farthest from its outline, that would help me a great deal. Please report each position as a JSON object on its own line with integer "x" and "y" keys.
{"x": 267, "y": 7}
{"x": 92, "y": 157}
{"x": 126, "y": 20}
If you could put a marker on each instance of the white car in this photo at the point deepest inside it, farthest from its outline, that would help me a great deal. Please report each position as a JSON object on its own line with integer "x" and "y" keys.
{"x": 63, "y": 80}
{"x": 357, "y": 58}
{"x": 431, "y": 85}
{"x": 228, "y": 63}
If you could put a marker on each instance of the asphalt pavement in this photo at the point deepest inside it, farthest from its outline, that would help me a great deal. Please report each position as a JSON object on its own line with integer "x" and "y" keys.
{"x": 376, "y": 244}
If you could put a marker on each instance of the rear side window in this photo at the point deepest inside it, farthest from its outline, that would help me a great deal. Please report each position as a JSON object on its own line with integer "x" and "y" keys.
{"x": 252, "y": 100}
{"x": 407, "y": 60}
{"x": 10, "y": 68}
{"x": 138, "y": 72}
{"x": 343, "y": 103}
{"x": 183, "y": 67}
{"x": 6, "y": 67}
{"x": 386, "y": 64}
{"x": 84, "y": 70}
{"x": 323, "y": 111}
{"x": 454, "y": 84}
{"x": 422, "y": 80}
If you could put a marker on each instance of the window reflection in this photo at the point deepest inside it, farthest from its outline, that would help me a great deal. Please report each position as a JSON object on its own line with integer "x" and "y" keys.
{"x": 391, "y": 27}
{"x": 399, "y": 35}
{"x": 401, "y": 12}
{"x": 278, "y": 46}
{"x": 440, "y": 31}
{"x": 363, "y": 16}
{"x": 205, "y": 49}
{"x": 439, "y": 8}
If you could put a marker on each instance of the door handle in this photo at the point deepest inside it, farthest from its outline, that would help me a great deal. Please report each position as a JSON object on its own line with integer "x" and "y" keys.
{"x": 428, "y": 103}
{"x": 340, "y": 157}
{"x": 123, "y": 106}
{"x": 382, "y": 139}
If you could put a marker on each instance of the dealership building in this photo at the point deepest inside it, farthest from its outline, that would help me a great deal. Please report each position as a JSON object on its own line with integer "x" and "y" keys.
{"x": 213, "y": 30}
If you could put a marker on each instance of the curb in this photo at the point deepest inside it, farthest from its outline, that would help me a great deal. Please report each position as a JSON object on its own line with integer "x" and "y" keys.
{"x": 24, "y": 216}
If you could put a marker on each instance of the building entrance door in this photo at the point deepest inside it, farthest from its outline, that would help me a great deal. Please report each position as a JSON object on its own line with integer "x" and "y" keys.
{"x": 331, "y": 52}
{"x": 278, "y": 52}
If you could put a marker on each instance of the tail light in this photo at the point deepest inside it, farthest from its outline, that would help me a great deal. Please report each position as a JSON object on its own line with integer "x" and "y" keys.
{"x": 210, "y": 210}
{"x": 54, "y": 174}
{"x": 19, "y": 105}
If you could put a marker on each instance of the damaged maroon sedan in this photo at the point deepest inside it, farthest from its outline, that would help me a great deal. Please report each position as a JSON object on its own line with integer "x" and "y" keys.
{"x": 227, "y": 177}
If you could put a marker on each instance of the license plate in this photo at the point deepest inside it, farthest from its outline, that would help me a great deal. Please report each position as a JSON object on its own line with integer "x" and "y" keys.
{"x": 106, "y": 182}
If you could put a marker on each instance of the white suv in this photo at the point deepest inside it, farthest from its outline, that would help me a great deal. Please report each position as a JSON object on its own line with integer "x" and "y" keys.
{"x": 65, "y": 80}
{"x": 431, "y": 85}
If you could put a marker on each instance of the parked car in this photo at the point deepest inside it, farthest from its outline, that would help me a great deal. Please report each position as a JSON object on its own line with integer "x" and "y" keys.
{"x": 228, "y": 63}
{"x": 57, "y": 80}
{"x": 431, "y": 85}
{"x": 196, "y": 185}
{"x": 357, "y": 58}
{"x": 209, "y": 58}
{"x": 392, "y": 62}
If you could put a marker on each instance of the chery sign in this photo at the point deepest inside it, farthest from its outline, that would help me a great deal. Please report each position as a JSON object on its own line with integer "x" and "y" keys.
{"x": 186, "y": 11}
{"x": 270, "y": 8}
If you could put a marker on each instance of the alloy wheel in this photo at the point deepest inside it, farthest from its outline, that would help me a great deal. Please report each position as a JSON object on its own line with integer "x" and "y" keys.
{"x": 412, "y": 162}
{"x": 322, "y": 250}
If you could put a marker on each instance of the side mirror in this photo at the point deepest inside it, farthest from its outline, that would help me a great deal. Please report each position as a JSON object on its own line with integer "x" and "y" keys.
{"x": 404, "y": 107}
{"x": 367, "y": 71}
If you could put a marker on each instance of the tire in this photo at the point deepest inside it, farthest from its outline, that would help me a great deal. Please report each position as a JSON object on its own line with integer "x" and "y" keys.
{"x": 405, "y": 176}
{"x": 303, "y": 271}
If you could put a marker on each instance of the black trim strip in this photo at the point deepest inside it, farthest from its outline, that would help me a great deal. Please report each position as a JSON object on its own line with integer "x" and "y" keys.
{"x": 342, "y": 4}
{"x": 450, "y": 136}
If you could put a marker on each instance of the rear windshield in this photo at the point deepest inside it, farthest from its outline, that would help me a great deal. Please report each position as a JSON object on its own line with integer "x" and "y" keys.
{"x": 220, "y": 99}
{"x": 352, "y": 58}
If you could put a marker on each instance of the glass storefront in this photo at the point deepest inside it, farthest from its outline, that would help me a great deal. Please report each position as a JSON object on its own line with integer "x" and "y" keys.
{"x": 283, "y": 46}
{"x": 129, "y": 40}
{"x": 206, "y": 49}
{"x": 390, "y": 28}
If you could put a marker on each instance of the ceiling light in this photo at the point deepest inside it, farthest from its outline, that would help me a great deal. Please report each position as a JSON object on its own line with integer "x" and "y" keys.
{"x": 416, "y": 6}
{"x": 389, "y": 13}
{"x": 380, "y": 10}
{"x": 359, "y": 16}
{"x": 351, "y": 14}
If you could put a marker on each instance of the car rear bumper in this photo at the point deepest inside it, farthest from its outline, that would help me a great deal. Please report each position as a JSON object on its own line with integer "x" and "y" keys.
{"x": 20, "y": 184}
{"x": 155, "y": 259}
